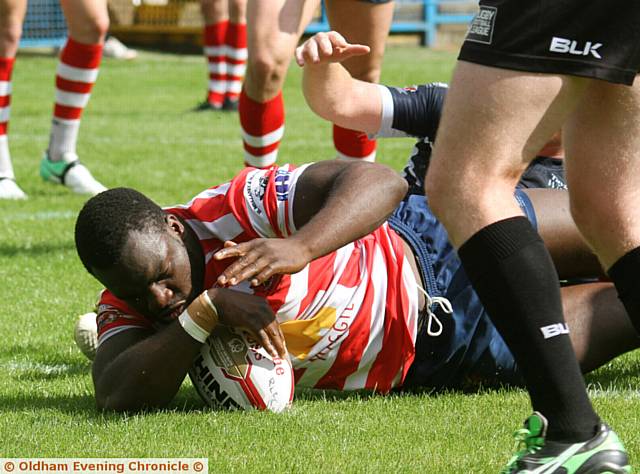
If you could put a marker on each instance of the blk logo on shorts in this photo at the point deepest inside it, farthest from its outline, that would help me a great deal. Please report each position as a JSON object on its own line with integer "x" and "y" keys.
{"x": 481, "y": 29}
{"x": 553, "y": 330}
{"x": 567, "y": 46}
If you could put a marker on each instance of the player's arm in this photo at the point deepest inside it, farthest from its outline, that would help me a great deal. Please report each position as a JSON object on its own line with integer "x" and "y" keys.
{"x": 140, "y": 368}
{"x": 330, "y": 90}
{"x": 335, "y": 203}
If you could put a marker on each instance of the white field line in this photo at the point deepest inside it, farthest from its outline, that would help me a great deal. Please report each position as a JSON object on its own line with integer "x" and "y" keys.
{"x": 24, "y": 366}
{"x": 37, "y": 216}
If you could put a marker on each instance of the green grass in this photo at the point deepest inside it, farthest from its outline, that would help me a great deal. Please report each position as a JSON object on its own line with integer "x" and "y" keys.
{"x": 138, "y": 132}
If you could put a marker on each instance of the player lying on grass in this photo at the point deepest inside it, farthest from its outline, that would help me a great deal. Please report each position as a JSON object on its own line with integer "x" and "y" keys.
{"x": 358, "y": 278}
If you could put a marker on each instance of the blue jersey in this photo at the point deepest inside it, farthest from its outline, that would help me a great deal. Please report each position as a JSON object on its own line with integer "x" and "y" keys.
{"x": 416, "y": 111}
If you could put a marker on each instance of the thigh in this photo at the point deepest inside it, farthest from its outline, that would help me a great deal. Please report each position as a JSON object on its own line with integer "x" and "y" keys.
{"x": 602, "y": 137}
{"x": 274, "y": 30}
{"x": 362, "y": 22}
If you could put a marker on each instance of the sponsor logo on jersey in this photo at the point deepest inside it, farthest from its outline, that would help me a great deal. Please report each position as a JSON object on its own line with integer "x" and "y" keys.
{"x": 567, "y": 46}
{"x": 481, "y": 29}
{"x": 282, "y": 185}
{"x": 554, "y": 330}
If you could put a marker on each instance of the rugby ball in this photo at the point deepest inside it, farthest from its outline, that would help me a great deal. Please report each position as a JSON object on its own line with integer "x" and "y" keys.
{"x": 85, "y": 333}
{"x": 233, "y": 371}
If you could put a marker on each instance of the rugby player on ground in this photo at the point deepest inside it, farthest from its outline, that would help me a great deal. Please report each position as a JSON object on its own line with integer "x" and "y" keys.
{"x": 357, "y": 282}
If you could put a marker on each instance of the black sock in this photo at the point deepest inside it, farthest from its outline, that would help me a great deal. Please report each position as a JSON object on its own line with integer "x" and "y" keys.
{"x": 625, "y": 274}
{"x": 513, "y": 274}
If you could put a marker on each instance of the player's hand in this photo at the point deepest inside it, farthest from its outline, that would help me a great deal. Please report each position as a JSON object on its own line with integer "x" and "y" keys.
{"x": 252, "y": 313}
{"x": 328, "y": 47}
{"x": 260, "y": 259}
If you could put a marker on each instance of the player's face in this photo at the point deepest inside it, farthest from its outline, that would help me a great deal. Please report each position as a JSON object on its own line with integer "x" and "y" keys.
{"x": 154, "y": 275}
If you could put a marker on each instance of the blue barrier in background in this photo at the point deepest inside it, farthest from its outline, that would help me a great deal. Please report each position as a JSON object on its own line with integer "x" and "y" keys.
{"x": 426, "y": 26}
{"x": 44, "y": 24}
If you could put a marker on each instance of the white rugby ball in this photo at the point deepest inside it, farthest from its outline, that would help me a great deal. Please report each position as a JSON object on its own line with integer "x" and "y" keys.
{"x": 85, "y": 333}
{"x": 235, "y": 372}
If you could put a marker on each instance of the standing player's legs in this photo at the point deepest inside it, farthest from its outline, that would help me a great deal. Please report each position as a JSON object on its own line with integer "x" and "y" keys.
{"x": 216, "y": 21}
{"x": 272, "y": 36}
{"x": 236, "y": 52}
{"x": 360, "y": 22}
{"x": 11, "y": 17}
{"x": 494, "y": 122}
{"x": 88, "y": 22}
{"x": 603, "y": 171}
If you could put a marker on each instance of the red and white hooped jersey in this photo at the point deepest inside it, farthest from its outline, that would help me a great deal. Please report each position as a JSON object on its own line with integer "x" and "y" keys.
{"x": 349, "y": 318}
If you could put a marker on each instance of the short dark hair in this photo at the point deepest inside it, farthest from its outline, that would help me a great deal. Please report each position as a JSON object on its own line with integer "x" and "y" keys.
{"x": 104, "y": 223}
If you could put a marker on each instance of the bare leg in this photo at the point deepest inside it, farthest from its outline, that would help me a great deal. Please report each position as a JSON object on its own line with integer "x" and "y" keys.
{"x": 571, "y": 255}
{"x": 272, "y": 36}
{"x": 12, "y": 14}
{"x": 603, "y": 168}
{"x": 214, "y": 11}
{"x": 599, "y": 325}
{"x": 88, "y": 22}
{"x": 474, "y": 170}
{"x": 362, "y": 23}
{"x": 493, "y": 124}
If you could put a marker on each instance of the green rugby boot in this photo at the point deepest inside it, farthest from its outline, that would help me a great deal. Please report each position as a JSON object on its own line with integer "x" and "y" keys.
{"x": 604, "y": 453}
{"x": 71, "y": 173}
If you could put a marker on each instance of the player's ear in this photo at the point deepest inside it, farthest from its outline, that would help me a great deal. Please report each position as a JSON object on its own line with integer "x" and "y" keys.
{"x": 174, "y": 224}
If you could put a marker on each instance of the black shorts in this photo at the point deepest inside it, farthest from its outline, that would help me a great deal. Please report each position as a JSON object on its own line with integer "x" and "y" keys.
{"x": 598, "y": 39}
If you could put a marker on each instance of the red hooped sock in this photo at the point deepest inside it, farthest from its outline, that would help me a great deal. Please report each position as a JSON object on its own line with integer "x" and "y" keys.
{"x": 236, "y": 58}
{"x": 353, "y": 145}
{"x": 6, "y": 67}
{"x": 262, "y": 129}
{"x": 77, "y": 72}
{"x": 214, "y": 50}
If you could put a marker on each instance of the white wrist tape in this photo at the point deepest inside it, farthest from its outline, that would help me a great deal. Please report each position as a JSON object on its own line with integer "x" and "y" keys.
{"x": 191, "y": 328}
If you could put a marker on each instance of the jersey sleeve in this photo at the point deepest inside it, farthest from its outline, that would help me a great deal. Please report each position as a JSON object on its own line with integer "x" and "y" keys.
{"x": 262, "y": 200}
{"x": 412, "y": 111}
{"x": 114, "y": 316}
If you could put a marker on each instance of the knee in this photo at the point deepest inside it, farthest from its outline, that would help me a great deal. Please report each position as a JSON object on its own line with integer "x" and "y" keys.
{"x": 264, "y": 77}
{"x": 100, "y": 27}
{"x": 10, "y": 33}
{"x": 587, "y": 212}
{"x": 441, "y": 193}
{"x": 92, "y": 31}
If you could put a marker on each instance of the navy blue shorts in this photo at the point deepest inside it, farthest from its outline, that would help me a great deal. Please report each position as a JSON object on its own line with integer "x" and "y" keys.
{"x": 469, "y": 351}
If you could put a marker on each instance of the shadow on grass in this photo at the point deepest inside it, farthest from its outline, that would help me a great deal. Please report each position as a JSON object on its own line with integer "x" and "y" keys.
{"x": 35, "y": 249}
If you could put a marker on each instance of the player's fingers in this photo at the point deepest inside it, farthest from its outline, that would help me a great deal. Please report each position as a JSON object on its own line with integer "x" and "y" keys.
{"x": 325, "y": 47}
{"x": 239, "y": 270}
{"x": 231, "y": 249}
{"x": 311, "y": 52}
{"x": 265, "y": 342}
{"x": 265, "y": 273}
{"x": 358, "y": 49}
{"x": 337, "y": 39}
{"x": 276, "y": 339}
{"x": 300, "y": 56}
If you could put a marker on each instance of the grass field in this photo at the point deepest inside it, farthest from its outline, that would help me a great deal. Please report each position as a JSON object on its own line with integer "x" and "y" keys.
{"x": 138, "y": 132}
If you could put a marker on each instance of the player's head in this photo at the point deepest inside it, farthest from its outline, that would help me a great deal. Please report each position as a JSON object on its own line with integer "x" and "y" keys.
{"x": 136, "y": 250}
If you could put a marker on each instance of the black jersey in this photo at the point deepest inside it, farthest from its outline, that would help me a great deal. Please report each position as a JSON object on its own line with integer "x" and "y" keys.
{"x": 416, "y": 111}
